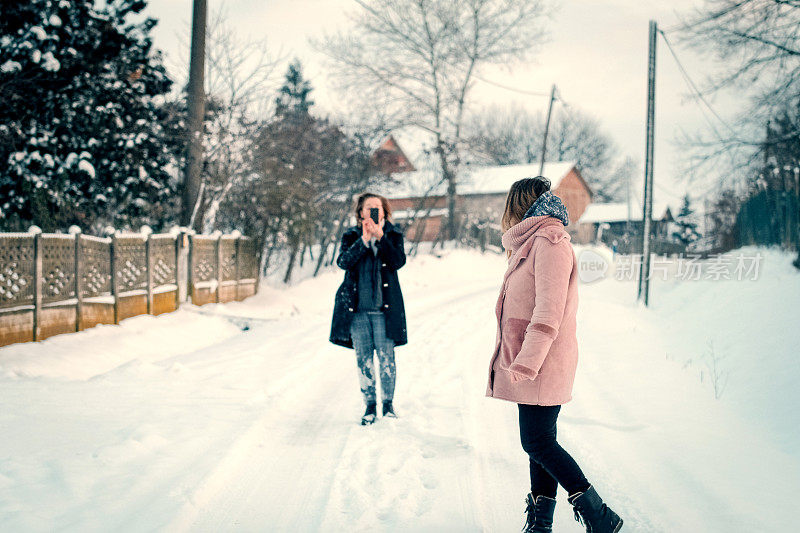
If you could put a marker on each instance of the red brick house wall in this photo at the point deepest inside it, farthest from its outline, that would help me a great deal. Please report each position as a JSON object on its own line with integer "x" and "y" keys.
{"x": 576, "y": 195}
{"x": 573, "y": 191}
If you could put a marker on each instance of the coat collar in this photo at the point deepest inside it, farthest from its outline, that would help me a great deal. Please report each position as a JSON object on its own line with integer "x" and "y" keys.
{"x": 519, "y": 238}
{"x": 520, "y": 233}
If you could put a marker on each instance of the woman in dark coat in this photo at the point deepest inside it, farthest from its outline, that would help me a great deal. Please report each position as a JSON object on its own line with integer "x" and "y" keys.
{"x": 368, "y": 314}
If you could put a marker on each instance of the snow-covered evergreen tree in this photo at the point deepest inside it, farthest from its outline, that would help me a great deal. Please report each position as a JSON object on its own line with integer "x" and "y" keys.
{"x": 82, "y": 140}
{"x": 293, "y": 96}
{"x": 686, "y": 224}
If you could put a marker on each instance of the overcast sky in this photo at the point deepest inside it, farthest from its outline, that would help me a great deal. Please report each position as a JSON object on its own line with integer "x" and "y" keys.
{"x": 597, "y": 56}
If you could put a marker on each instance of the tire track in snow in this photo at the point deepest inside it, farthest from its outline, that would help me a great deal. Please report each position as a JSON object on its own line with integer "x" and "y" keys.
{"x": 252, "y": 488}
{"x": 416, "y": 472}
{"x": 313, "y": 388}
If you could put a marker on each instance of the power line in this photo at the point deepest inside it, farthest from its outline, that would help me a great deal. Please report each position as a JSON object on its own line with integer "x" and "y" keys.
{"x": 513, "y": 89}
{"x": 567, "y": 108}
{"x": 693, "y": 87}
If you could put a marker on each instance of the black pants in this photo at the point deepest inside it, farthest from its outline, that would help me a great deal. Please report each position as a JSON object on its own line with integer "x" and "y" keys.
{"x": 550, "y": 464}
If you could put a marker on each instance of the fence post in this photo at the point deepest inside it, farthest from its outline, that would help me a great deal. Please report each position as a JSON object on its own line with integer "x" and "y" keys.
{"x": 37, "y": 284}
{"x": 178, "y": 243}
{"x": 218, "y": 269}
{"x": 78, "y": 282}
{"x": 190, "y": 271}
{"x": 238, "y": 275}
{"x": 149, "y": 273}
{"x": 114, "y": 289}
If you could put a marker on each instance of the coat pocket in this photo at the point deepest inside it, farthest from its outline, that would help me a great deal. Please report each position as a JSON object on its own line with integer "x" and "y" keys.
{"x": 512, "y": 337}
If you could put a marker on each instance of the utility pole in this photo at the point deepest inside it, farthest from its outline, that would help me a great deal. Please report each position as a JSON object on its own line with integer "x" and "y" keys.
{"x": 197, "y": 109}
{"x": 628, "y": 200}
{"x": 547, "y": 129}
{"x": 644, "y": 273}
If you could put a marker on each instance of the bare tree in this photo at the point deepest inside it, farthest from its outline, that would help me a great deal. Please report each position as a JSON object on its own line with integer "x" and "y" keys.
{"x": 304, "y": 171}
{"x": 424, "y": 55}
{"x": 504, "y": 135}
{"x": 513, "y": 135}
{"x": 758, "y": 42}
{"x": 758, "y": 48}
{"x": 240, "y": 77}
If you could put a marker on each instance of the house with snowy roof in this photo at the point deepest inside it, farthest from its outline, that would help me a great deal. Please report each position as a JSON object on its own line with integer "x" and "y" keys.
{"x": 389, "y": 158}
{"x": 419, "y": 197}
{"x": 609, "y": 222}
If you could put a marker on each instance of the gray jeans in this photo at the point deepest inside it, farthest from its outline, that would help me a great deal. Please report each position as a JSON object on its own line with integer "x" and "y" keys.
{"x": 368, "y": 331}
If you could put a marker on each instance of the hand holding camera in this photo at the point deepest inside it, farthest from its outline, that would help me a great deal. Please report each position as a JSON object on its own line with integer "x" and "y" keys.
{"x": 372, "y": 226}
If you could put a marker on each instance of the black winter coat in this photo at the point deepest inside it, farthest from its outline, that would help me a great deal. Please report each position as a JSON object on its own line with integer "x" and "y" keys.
{"x": 391, "y": 253}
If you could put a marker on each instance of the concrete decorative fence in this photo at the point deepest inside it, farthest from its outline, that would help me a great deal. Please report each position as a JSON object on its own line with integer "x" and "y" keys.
{"x": 223, "y": 269}
{"x": 61, "y": 283}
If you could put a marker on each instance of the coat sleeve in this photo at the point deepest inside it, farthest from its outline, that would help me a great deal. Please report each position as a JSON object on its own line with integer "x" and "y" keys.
{"x": 350, "y": 252}
{"x": 552, "y": 269}
{"x": 392, "y": 251}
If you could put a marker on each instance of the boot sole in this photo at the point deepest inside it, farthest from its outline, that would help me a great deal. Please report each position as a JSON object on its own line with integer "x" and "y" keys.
{"x": 619, "y": 526}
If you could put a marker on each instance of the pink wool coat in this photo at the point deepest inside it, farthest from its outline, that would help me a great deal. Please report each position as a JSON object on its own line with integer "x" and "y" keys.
{"x": 536, "y": 350}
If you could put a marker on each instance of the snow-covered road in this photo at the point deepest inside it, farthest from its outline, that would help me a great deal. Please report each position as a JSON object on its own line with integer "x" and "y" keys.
{"x": 185, "y": 423}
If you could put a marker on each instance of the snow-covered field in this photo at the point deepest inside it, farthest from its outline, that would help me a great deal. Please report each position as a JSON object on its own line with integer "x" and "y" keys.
{"x": 187, "y": 422}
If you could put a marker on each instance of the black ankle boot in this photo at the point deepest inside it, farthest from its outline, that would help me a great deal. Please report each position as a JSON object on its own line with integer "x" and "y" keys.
{"x": 388, "y": 409}
{"x": 596, "y": 516}
{"x": 369, "y": 414}
{"x": 540, "y": 512}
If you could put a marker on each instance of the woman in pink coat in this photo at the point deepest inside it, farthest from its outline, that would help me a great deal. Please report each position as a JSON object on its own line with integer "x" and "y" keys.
{"x": 536, "y": 351}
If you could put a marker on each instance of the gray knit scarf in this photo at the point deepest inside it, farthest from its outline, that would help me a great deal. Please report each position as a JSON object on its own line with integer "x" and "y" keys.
{"x": 548, "y": 204}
